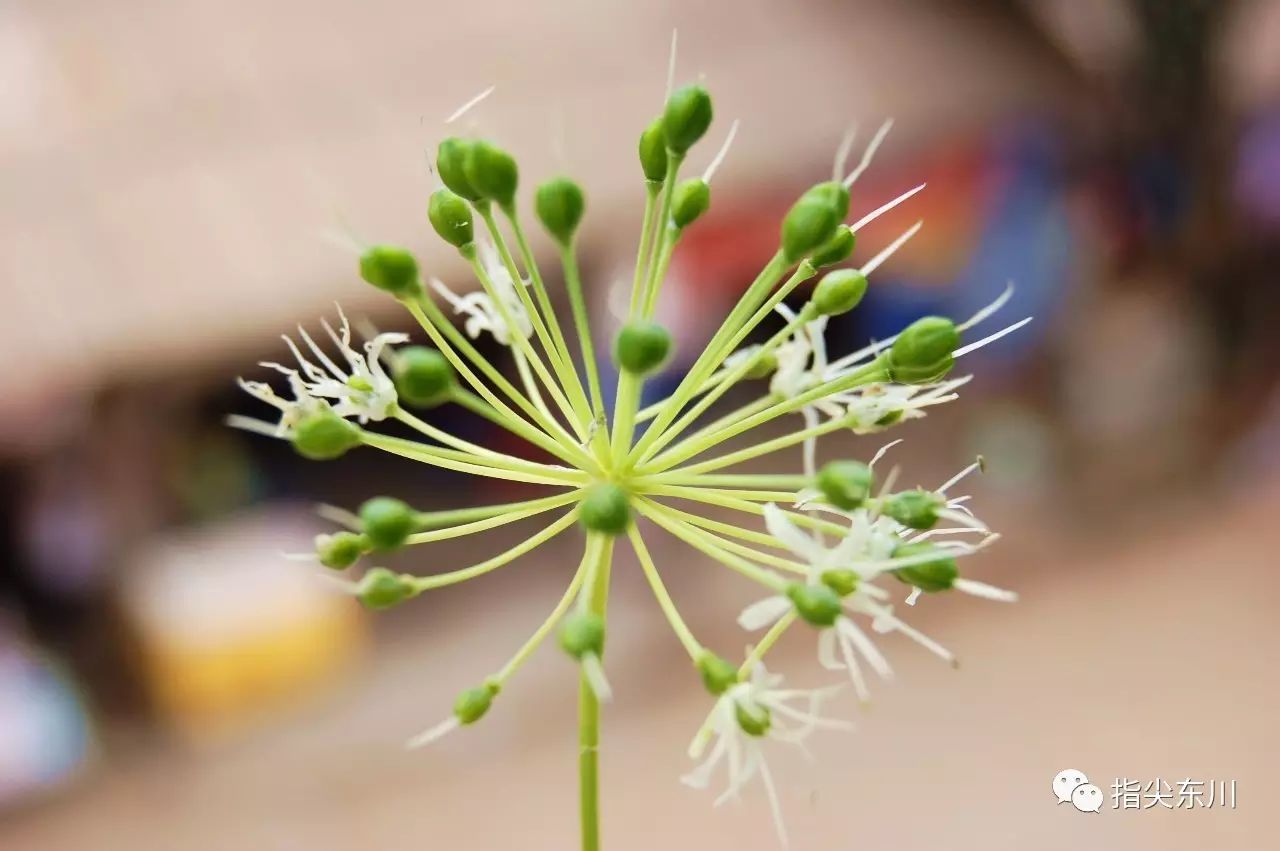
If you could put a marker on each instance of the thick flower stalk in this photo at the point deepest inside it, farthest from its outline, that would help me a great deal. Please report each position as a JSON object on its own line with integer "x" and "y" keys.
{"x": 820, "y": 543}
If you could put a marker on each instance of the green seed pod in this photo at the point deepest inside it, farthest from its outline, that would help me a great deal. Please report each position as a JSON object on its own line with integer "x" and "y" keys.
{"x": 492, "y": 171}
{"x": 754, "y": 722}
{"x": 560, "y": 204}
{"x": 473, "y": 703}
{"x": 836, "y": 250}
{"x": 653, "y": 152}
{"x": 809, "y": 224}
{"x": 690, "y": 200}
{"x": 841, "y": 580}
{"x": 930, "y": 576}
{"x": 582, "y": 634}
{"x": 450, "y": 215}
{"x": 422, "y": 376}
{"x": 642, "y": 347}
{"x": 763, "y": 367}
{"x": 718, "y": 674}
{"x": 922, "y": 352}
{"x": 339, "y": 550}
{"x": 606, "y": 508}
{"x": 834, "y": 193}
{"x": 915, "y": 509}
{"x": 387, "y": 522}
{"x": 451, "y": 158}
{"x": 322, "y": 435}
{"x": 381, "y": 589}
{"x": 686, "y": 118}
{"x": 845, "y": 484}
{"x": 839, "y": 291}
{"x": 818, "y": 605}
{"x": 391, "y": 269}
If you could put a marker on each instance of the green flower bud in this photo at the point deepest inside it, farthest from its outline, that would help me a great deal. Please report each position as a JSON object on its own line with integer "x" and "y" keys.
{"x": 754, "y": 722}
{"x": 582, "y": 634}
{"x": 339, "y": 550}
{"x": 841, "y": 580}
{"x": 451, "y": 217}
{"x": 690, "y": 200}
{"x": 686, "y": 118}
{"x": 653, "y": 152}
{"x": 836, "y": 250}
{"x": 391, "y": 269}
{"x": 818, "y": 605}
{"x": 606, "y": 508}
{"x": 845, "y": 484}
{"x": 915, "y": 509}
{"x": 810, "y": 223}
{"x": 423, "y": 376}
{"x": 718, "y": 674}
{"x": 839, "y": 291}
{"x": 642, "y": 347}
{"x": 379, "y": 588}
{"x": 387, "y": 522}
{"x": 451, "y": 158}
{"x": 930, "y": 576}
{"x": 492, "y": 171}
{"x": 922, "y": 352}
{"x": 473, "y": 703}
{"x": 560, "y": 204}
{"x": 763, "y": 366}
{"x": 322, "y": 435}
{"x": 834, "y": 193}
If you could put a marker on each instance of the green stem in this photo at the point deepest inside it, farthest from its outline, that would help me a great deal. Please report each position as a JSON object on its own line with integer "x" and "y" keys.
{"x": 589, "y": 709}
{"x": 766, "y": 644}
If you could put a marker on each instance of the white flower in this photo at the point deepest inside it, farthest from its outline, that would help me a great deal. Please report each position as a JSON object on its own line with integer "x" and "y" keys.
{"x": 866, "y": 549}
{"x": 482, "y": 313}
{"x": 362, "y": 390}
{"x": 742, "y": 718}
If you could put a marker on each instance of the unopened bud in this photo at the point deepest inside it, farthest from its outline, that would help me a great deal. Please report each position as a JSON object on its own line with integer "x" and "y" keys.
{"x": 387, "y": 522}
{"x": 492, "y": 172}
{"x": 582, "y": 634}
{"x": 451, "y": 158}
{"x": 841, "y": 580}
{"x": 560, "y": 204}
{"x": 322, "y": 435}
{"x": 754, "y": 720}
{"x": 642, "y": 347}
{"x": 473, "y": 703}
{"x": 817, "y": 605}
{"x": 922, "y": 352}
{"x": 931, "y": 576}
{"x": 845, "y": 484}
{"x": 839, "y": 291}
{"x": 686, "y": 118}
{"x": 451, "y": 217}
{"x": 653, "y": 152}
{"x": 339, "y": 550}
{"x": 836, "y": 250}
{"x": 718, "y": 674}
{"x": 915, "y": 509}
{"x": 809, "y": 224}
{"x": 380, "y": 588}
{"x": 691, "y": 199}
{"x": 606, "y": 508}
{"x": 391, "y": 269}
{"x": 422, "y": 376}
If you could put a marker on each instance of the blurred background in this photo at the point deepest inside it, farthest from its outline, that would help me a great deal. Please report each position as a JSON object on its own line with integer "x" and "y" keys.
{"x": 171, "y": 172}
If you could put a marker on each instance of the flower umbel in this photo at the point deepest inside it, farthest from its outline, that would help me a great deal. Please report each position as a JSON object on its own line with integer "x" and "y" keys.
{"x": 817, "y": 541}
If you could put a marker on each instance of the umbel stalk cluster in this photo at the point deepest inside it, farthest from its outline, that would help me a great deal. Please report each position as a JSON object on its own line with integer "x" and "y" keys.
{"x": 819, "y": 543}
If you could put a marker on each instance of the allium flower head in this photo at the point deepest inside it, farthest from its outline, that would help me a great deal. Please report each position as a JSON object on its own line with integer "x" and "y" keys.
{"x": 829, "y": 546}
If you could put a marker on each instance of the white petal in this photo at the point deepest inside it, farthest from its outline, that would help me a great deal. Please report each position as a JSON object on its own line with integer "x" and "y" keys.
{"x": 763, "y": 613}
{"x": 788, "y": 533}
{"x": 437, "y": 732}
{"x": 866, "y": 647}
{"x": 982, "y": 589}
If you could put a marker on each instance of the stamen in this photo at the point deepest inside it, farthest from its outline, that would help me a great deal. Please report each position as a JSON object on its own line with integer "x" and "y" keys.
{"x": 996, "y": 305}
{"x": 869, "y": 153}
{"x": 979, "y": 464}
{"x": 884, "y": 208}
{"x": 964, "y": 350}
{"x": 466, "y": 107}
{"x": 252, "y": 425}
{"x": 880, "y": 453}
{"x": 875, "y": 262}
{"x": 722, "y": 153}
{"x": 843, "y": 150}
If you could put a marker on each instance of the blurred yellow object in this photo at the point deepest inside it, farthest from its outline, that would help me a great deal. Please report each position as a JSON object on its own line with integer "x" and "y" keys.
{"x": 228, "y": 629}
